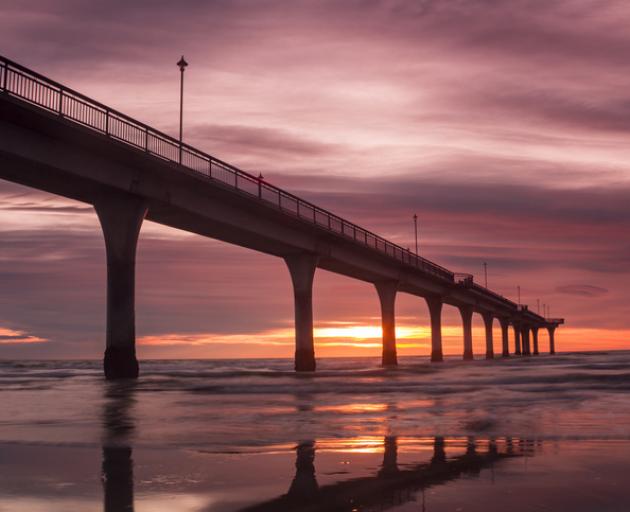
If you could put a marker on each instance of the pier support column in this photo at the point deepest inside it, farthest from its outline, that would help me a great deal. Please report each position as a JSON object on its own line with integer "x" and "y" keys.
{"x": 387, "y": 295}
{"x": 535, "y": 340}
{"x": 121, "y": 217}
{"x": 517, "y": 339}
{"x": 487, "y": 321}
{"x": 466, "y": 312}
{"x": 505, "y": 341}
{"x": 525, "y": 340}
{"x": 302, "y": 269}
{"x": 552, "y": 340}
{"x": 435, "y": 311}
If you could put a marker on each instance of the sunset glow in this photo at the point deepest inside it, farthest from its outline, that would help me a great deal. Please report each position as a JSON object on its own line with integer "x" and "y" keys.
{"x": 509, "y": 153}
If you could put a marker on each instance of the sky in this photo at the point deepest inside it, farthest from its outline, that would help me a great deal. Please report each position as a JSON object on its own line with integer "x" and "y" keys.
{"x": 504, "y": 125}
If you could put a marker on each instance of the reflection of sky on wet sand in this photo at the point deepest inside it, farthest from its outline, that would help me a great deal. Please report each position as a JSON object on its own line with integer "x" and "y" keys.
{"x": 523, "y": 475}
{"x": 223, "y": 437}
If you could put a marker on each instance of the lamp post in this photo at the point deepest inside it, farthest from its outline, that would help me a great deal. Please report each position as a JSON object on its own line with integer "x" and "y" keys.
{"x": 181, "y": 64}
{"x": 415, "y": 225}
{"x": 518, "y": 290}
{"x": 485, "y": 273}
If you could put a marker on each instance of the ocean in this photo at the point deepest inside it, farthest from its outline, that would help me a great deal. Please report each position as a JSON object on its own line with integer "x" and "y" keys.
{"x": 521, "y": 434}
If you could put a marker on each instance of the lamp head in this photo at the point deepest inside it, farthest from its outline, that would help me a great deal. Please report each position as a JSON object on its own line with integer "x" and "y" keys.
{"x": 182, "y": 64}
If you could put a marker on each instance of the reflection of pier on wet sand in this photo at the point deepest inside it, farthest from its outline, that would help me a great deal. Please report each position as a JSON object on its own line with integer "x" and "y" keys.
{"x": 391, "y": 486}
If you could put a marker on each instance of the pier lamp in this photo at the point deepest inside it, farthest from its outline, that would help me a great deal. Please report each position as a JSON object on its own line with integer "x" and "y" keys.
{"x": 182, "y": 65}
{"x": 415, "y": 225}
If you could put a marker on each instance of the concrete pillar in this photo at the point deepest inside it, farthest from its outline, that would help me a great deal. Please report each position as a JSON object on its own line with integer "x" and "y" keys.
{"x": 387, "y": 295}
{"x": 302, "y": 269}
{"x": 505, "y": 342}
{"x": 466, "y": 312}
{"x": 517, "y": 339}
{"x": 121, "y": 217}
{"x": 535, "y": 340}
{"x": 435, "y": 311}
{"x": 552, "y": 341}
{"x": 525, "y": 340}
{"x": 487, "y": 320}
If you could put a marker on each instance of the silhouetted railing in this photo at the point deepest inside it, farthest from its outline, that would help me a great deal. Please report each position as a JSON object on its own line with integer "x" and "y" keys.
{"x": 38, "y": 90}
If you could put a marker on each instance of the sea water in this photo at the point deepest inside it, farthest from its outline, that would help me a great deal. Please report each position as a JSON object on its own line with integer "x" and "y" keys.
{"x": 522, "y": 433}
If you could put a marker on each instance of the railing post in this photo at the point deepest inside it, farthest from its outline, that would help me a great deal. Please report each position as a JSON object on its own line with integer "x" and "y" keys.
{"x": 107, "y": 114}
{"x": 61, "y": 102}
{"x": 5, "y": 77}
{"x": 146, "y": 140}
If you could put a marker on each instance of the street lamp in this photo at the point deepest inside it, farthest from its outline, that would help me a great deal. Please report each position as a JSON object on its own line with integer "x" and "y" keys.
{"x": 485, "y": 272}
{"x": 181, "y": 64}
{"x": 415, "y": 225}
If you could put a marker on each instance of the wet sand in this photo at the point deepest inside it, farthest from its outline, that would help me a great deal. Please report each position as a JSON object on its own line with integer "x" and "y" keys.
{"x": 548, "y": 433}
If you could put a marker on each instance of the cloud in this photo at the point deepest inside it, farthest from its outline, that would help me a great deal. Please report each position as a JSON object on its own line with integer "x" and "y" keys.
{"x": 582, "y": 290}
{"x": 503, "y": 125}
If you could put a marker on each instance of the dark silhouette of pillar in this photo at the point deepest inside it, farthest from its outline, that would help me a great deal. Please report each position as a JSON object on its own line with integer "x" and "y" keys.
{"x": 435, "y": 311}
{"x": 493, "y": 449}
{"x": 466, "y": 312}
{"x": 302, "y": 269}
{"x": 117, "y": 479}
{"x": 552, "y": 341}
{"x": 509, "y": 446}
{"x": 535, "y": 340}
{"x": 390, "y": 457}
{"x": 487, "y": 321}
{"x": 517, "y": 339}
{"x": 121, "y": 217}
{"x": 439, "y": 451}
{"x": 525, "y": 340}
{"x": 505, "y": 341}
{"x": 387, "y": 295}
{"x": 117, "y": 464}
{"x": 304, "y": 486}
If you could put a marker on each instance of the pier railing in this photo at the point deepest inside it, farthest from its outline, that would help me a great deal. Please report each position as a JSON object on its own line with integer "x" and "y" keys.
{"x": 29, "y": 86}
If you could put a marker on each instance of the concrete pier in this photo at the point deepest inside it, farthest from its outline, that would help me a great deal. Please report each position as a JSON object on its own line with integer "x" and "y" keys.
{"x": 121, "y": 217}
{"x": 552, "y": 340}
{"x": 505, "y": 339}
{"x": 517, "y": 339}
{"x": 466, "y": 312}
{"x": 435, "y": 311}
{"x": 535, "y": 340}
{"x": 487, "y": 321}
{"x": 387, "y": 295}
{"x": 302, "y": 269}
{"x": 90, "y": 153}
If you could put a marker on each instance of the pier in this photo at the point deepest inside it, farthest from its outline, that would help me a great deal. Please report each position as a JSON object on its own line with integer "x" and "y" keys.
{"x": 58, "y": 140}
